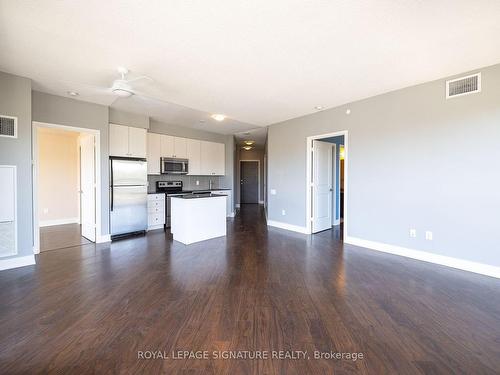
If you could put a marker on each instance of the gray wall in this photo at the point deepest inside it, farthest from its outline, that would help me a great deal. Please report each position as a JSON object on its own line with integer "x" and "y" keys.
{"x": 226, "y": 181}
{"x": 135, "y": 120}
{"x": 15, "y": 100}
{"x": 65, "y": 111}
{"x": 416, "y": 160}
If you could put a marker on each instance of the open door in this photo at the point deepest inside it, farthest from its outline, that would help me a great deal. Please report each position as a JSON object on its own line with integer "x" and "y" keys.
{"x": 322, "y": 186}
{"x": 87, "y": 186}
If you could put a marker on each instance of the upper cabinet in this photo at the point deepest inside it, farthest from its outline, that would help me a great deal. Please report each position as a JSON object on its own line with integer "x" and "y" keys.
{"x": 205, "y": 158}
{"x": 173, "y": 147}
{"x": 194, "y": 156}
{"x": 127, "y": 141}
{"x": 212, "y": 158}
{"x": 154, "y": 153}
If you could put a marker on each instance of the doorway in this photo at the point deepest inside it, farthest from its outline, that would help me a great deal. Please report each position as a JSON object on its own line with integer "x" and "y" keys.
{"x": 326, "y": 182}
{"x": 66, "y": 185}
{"x": 249, "y": 181}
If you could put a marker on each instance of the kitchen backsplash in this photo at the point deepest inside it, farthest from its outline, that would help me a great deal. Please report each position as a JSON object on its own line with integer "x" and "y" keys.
{"x": 188, "y": 182}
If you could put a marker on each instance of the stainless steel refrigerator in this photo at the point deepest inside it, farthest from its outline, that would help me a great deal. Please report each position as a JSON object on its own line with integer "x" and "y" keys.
{"x": 128, "y": 196}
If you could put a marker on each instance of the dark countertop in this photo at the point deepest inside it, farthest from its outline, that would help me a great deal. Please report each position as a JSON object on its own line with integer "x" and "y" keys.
{"x": 188, "y": 191}
{"x": 198, "y": 196}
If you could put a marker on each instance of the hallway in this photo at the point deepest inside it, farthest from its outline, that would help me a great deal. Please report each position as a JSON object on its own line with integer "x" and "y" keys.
{"x": 92, "y": 308}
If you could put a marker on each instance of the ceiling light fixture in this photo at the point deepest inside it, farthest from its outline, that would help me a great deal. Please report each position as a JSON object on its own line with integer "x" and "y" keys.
{"x": 247, "y": 148}
{"x": 318, "y": 108}
{"x": 218, "y": 117}
{"x": 72, "y": 93}
{"x": 249, "y": 143}
{"x": 347, "y": 111}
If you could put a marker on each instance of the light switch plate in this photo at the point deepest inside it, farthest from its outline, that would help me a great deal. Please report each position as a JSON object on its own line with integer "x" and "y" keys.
{"x": 428, "y": 235}
{"x": 273, "y": 191}
{"x": 413, "y": 233}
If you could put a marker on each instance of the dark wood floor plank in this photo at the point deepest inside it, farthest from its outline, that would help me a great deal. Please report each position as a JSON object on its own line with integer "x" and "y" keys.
{"x": 91, "y": 308}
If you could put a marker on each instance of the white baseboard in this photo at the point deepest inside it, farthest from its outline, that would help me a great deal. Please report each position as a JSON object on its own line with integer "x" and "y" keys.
{"x": 6, "y": 264}
{"x": 293, "y": 228}
{"x": 103, "y": 238}
{"x": 261, "y": 202}
{"x": 237, "y": 205}
{"x": 465, "y": 265}
{"x": 49, "y": 223}
{"x": 231, "y": 214}
{"x": 154, "y": 227}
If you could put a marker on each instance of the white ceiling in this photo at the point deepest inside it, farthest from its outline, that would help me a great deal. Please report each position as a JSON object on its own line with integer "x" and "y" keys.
{"x": 258, "y": 135}
{"x": 259, "y": 62}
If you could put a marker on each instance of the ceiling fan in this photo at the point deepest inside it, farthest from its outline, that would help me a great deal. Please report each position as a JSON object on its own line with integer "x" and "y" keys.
{"x": 122, "y": 87}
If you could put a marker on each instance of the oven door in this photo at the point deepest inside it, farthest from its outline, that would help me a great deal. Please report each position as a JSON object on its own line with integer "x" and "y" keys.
{"x": 174, "y": 166}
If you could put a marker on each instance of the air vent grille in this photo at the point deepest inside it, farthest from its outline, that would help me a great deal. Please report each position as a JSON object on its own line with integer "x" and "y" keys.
{"x": 463, "y": 86}
{"x": 8, "y": 126}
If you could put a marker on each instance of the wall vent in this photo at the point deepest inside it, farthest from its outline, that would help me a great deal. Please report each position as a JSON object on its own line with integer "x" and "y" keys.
{"x": 463, "y": 86}
{"x": 8, "y": 126}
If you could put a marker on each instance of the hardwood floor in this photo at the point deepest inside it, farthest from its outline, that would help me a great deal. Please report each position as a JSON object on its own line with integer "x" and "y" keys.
{"x": 61, "y": 236}
{"x": 90, "y": 309}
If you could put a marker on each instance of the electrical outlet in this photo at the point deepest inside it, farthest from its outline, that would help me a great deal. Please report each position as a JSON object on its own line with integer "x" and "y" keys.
{"x": 283, "y": 212}
{"x": 197, "y": 182}
{"x": 45, "y": 210}
{"x": 428, "y": 235}
{"x": 413, "y": 233}
{"x": 273, "y": 191}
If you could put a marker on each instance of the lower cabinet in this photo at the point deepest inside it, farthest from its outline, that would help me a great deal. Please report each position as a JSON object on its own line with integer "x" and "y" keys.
{"x": 156, "y": 211}
{"x": 229, "y": 201}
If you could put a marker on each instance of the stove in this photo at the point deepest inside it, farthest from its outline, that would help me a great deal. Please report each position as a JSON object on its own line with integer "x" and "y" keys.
{"x": 171, "y": 189}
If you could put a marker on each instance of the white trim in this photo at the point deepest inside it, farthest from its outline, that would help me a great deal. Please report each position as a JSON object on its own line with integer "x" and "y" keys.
{"x": 7, "y": 264}
{"x": 103, "y": 238}
{"x": 465, "y": 93}
{"x": 286, "y": 226}
{"x": 261, "y": 202}
{"x": 97, "y": 140}
{"x": 232, "y": 214}
{"x": 443, "y": 260}
{"x": 237, "y": 205}
{"x": 49, "y": 223}
{"x": 239, "y": 175}
{"x": 309, "y": 140}
{"x": 155, "y": 227}
{"x": 14, "y": 168}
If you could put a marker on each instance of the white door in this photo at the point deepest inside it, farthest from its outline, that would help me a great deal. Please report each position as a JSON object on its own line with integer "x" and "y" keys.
{"x": 322, "y": 186}
{"x": 137, "y": 141}
{"x": 87, "y": 183}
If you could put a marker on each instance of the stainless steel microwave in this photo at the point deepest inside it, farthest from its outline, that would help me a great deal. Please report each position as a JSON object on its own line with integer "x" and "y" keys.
{"x": 173, "y": 166}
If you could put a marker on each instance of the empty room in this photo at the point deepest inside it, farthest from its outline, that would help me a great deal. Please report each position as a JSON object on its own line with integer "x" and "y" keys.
{"x": 249, "y": 187}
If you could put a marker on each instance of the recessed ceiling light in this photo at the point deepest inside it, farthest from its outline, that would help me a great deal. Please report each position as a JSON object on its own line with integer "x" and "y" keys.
{"x": 249, "y": 143}
{"x": 72, "y": 93}
{"x": 348, "y": 111}
{"x": 247, "y": 148}
{"x": 318, "y": 108}
{"x": 218, "y": 117}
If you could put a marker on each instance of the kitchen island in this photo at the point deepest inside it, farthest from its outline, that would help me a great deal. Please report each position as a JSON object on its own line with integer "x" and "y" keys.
{"x": 198, "y": 217}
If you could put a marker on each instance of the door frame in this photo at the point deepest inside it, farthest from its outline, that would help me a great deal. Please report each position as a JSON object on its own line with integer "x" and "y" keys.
{"x": 309, "y": 176}
{"x": 35, "y": 171}
{"x": 258, "y": 176}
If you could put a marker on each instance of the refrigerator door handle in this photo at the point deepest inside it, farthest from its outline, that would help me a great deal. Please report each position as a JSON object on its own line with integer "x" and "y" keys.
{"x": 111, "y": 187}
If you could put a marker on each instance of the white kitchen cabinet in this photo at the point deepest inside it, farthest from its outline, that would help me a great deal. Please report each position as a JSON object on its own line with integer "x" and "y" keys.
{"x": 118, "y": 140}
{"x": 154, "y": 153}
{"x": 137, "y": 142}
{"x": 229, "y": 201}
{"x": 212, "y": 158}
{"x": 193, "y": 147}
{"x": 127, "y": 141}
{"x": 167, "y": 146}
{"x": 173, "y": 147}
{"x": 156, "y": 211}
{"x": 180, "y": 148}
